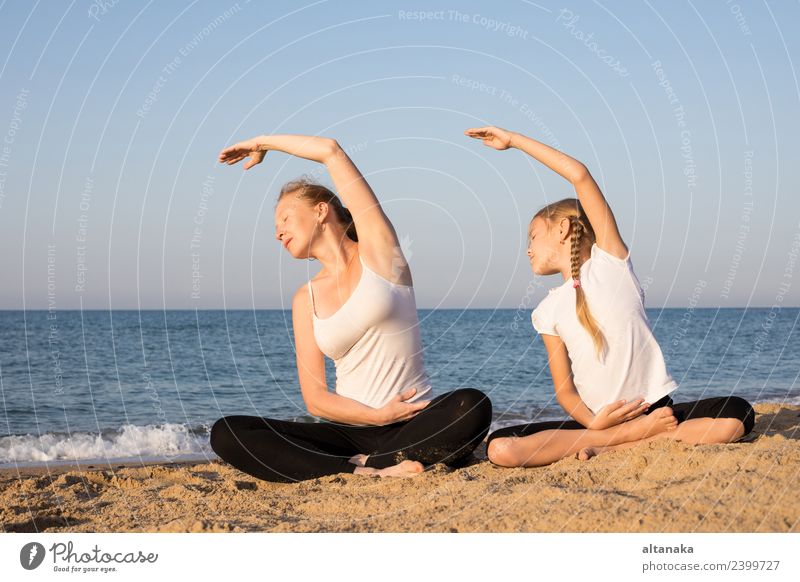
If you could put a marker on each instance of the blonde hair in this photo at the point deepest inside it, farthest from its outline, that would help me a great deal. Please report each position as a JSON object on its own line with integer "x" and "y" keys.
{"x": 313, "y": 194}
{"x": 582, "y": 235}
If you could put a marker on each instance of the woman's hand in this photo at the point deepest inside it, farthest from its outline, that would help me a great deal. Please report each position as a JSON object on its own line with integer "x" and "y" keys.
{"x": 397, "y": 409}
{"x": 617, "y": 413}
{"x": 314, "y": 148}
{"x": 251, "y": 148}
{"x": 494, "y": 137}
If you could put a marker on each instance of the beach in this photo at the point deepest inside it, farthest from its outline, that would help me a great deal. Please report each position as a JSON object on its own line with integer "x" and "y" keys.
{"x": 660, "y": 486}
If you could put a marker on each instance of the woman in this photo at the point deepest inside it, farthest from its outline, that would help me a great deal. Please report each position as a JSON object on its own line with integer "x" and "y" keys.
{"x": 360, "y": 311}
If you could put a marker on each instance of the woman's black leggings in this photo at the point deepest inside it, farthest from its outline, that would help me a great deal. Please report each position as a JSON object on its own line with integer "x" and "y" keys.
{"x": 445, "y": 431}
{"x": 721, "y": 407}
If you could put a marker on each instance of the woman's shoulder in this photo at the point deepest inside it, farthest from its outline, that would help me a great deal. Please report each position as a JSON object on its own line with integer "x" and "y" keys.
{"x": 301, "y": 296}
{"x": 319, "y": 281}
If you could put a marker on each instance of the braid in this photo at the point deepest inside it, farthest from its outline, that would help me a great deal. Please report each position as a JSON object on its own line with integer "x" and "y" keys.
{"x": 575, "y": 257}
{"x": 582, "y": 235}
{"x": 581, "y": 305}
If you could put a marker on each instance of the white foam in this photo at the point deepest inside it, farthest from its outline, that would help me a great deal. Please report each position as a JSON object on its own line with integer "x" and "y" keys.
{"x": 794, "y": 401}
{"x": 130, "y": 442}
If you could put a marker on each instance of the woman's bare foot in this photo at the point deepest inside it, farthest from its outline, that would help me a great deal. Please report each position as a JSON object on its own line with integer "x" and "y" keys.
{"x": 359, "y": 460}
{"x": 647, "y": 425}
{"x": 403, "y": 469}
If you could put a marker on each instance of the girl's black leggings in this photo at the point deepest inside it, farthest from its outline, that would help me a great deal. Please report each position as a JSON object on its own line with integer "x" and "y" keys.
{"x": 445, "y": 431}
{"x": 721, "y": 407}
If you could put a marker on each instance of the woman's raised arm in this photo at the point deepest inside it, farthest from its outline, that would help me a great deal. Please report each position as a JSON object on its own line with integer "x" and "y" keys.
{"x": 594, "y": 203}
{"x": 378, "y": 241}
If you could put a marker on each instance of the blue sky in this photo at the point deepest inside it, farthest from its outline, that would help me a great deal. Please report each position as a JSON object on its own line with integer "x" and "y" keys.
{"x": 112, "y": 116}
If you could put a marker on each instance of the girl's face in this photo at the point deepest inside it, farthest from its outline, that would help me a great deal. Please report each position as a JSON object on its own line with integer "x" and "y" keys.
{"x": 543, "y": 247}
{"x": 295, "y": 225}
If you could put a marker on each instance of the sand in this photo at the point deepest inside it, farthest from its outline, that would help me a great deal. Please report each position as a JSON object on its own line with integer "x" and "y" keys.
{"x": 660, "y": 486}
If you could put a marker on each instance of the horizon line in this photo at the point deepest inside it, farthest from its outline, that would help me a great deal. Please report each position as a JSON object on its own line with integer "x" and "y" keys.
{"x": 418, "y": 309}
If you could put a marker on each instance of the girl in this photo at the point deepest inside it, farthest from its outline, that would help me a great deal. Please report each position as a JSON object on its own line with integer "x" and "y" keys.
{"x": 607, "y": 368}
{"x": 360, "y": 311}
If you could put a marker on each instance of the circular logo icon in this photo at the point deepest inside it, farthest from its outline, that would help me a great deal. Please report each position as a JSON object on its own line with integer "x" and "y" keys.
{"x": 31, "y": 555}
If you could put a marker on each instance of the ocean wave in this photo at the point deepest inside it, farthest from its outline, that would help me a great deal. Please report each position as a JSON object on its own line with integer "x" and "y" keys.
{"x": 166, "y": 441}
{"x": 794, "y": 400}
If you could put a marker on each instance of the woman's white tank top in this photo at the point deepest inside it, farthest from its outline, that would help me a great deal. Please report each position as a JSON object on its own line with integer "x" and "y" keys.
{"x": 374, "y": 340}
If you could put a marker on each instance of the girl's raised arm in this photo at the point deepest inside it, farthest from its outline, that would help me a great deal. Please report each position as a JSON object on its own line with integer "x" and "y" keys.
{"x": 377, "y": 238}
{"x": 594, "y": 203}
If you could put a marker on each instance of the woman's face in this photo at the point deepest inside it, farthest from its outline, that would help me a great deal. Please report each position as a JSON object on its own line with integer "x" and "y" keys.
{"x": 543, "y": 247}
{"x": 295, "y": 225}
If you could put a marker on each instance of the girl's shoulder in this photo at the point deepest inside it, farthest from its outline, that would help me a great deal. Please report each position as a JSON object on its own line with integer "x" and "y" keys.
{"x": 543, "y": 317}
{"x": 603, "y": 255}
{"x": 607, "y": 265}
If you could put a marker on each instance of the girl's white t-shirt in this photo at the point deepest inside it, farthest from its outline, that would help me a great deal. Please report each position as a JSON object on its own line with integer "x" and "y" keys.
{"x": 633, "y": 365}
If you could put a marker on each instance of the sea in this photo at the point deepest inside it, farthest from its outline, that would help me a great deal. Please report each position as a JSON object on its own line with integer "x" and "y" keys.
{"x": 146, "y": 386}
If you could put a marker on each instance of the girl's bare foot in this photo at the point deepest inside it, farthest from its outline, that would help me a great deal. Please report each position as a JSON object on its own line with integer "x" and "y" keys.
{"x": 588, "y": 452}
{"x": 647, "y": 425}
{"x": 403, "y": 469}
{"x": 641, "y": 428}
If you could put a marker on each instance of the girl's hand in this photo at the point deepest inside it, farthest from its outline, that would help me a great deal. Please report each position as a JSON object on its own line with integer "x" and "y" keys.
{"x": 494, "y": 137}
{"x": 397, "y": 409}
{"x": 617, "y": 413}
{"x": 251, "y": 148}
